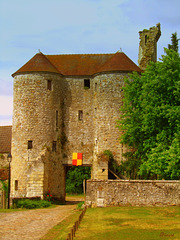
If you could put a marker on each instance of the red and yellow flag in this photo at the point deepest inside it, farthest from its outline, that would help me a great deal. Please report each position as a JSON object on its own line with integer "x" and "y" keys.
{"x": 77, "y": 159}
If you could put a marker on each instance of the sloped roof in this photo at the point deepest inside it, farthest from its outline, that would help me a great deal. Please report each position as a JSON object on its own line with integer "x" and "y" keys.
{"x": 79, "y": 64}
{"x": 38, "y": 63}
{"x": 5, "y": 139}
{"x": 119, "y": 62}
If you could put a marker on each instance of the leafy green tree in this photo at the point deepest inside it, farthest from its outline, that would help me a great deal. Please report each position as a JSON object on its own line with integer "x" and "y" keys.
{"x": 174, "y": 42}
{"x": 162, "y": 161}
{"x": 75, "y": 177}
{"x": 151, "y": 119}
{"x": 4, "y": 187}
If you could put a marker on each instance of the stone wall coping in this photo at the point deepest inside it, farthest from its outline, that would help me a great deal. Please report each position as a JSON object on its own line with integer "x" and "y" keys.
{"x": 135, "y": 181}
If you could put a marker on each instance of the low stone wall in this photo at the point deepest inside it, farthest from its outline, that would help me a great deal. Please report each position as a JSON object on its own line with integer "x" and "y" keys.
{"x": 102, "y": 193}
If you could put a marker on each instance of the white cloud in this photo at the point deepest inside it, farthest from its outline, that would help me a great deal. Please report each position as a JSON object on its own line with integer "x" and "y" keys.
{"x": 6, "y": 105}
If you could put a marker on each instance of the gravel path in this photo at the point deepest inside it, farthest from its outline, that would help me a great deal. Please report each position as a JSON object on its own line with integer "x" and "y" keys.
{"x": 32, "y": 224}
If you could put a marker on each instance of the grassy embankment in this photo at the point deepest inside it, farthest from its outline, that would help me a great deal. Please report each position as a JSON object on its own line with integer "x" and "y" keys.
{"x": 122, "y": 223}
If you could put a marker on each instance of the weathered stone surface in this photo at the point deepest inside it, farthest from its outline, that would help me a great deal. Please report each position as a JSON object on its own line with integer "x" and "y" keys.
{"x": 56, "y": 115}
{"x": 34, "y": 119}
{"x": 40, "y": 169}
{"x": 148, "y": 45}
{"x": 3, "y": 161}
{"x": 102, "y": 193}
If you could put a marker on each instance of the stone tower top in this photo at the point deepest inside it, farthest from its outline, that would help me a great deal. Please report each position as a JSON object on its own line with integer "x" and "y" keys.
{"x": 148, "y": 45}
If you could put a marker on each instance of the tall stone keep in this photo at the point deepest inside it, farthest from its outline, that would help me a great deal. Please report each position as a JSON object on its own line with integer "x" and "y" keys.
{"x": 148, "y": 45}
{"x": 65, "y": 106}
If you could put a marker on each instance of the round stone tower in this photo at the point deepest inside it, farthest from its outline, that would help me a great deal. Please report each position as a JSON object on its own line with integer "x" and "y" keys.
{"x": 108, "y": 95}
{"x": 37, "y": 116}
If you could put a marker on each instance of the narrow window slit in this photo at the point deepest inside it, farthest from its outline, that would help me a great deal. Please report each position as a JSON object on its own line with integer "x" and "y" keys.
{"x": 56, "y": 120}
{"x": 49, "y": 85}
{"x": 54, "y": 146}
{"x": 30, "y": 144}
{"x": 16, "y": 185}
{"x": 80, "y": 115}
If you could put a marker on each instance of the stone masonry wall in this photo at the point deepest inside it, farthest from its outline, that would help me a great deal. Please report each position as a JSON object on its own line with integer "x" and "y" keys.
{"x": 102, "y": 193}
{"x": 34, "y": 119}
{"x": 107, "y": 103}
{"x": 45, "y": 115}
{"x": 97, "y": 131}
{"x": 3, "y": 160}
{"x": 78, "y": 132}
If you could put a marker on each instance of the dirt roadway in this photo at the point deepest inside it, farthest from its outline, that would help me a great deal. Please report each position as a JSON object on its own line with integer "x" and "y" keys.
{"x": 32, "y": 224}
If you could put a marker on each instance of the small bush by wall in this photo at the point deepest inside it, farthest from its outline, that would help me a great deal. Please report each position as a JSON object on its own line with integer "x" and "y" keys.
{"x": 30, "y": 204}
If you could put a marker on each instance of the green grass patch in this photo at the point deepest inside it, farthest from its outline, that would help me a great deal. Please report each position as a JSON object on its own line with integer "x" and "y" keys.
{"x": 75, "y": 195}
{"x": 61, "y": 230}
{"x": 130, "y": 223}
{"x": 12, "y": 210}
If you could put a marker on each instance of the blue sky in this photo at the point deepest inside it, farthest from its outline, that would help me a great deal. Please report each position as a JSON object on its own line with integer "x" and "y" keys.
{"x": 75, "y": 26}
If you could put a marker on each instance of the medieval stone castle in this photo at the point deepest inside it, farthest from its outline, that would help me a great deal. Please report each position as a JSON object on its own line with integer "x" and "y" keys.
{"x": 65, "y": 113}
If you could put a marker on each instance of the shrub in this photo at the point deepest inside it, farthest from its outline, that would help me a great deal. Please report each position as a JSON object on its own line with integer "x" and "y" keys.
{"x": 79, "y": 206}
{"x": 30, "y": 204}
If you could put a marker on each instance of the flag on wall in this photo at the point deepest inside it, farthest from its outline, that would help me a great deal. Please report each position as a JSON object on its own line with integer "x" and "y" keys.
{"x": 77, "y": 159}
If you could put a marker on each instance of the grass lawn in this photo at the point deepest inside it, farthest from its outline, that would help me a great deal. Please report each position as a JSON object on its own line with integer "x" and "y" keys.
{"x": 11, "y": 210}
{"x": 77, "y": 196}
{"x": 146, "y": 223}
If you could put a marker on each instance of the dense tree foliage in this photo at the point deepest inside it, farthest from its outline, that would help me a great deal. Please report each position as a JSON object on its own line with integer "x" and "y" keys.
{"x": 151, "y": 120}
{"x": 4, "y": 187}
{"x": 75, "y": 177}
{"x": 174, "y": 42}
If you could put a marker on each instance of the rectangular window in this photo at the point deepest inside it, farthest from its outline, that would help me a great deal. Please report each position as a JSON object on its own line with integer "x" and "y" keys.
{"x": 95, "y": 86}
{"x": 30, "y": 145}
{"x": 54, "y": 146}
{"x": 16, "y": 185}
{"x": 86, "y": 83}
{"x": 95, "y": 112}
{"x": 80, "y": 115}
{"x": 49, "y": 85}
{"x": 56, "y": 119}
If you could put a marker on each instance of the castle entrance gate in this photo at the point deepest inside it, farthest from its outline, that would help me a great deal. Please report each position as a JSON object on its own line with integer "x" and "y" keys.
{"x": 75, "y": 178}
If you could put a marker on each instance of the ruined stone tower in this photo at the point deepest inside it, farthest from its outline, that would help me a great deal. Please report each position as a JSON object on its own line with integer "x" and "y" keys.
{"x": 148, "y": 45}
